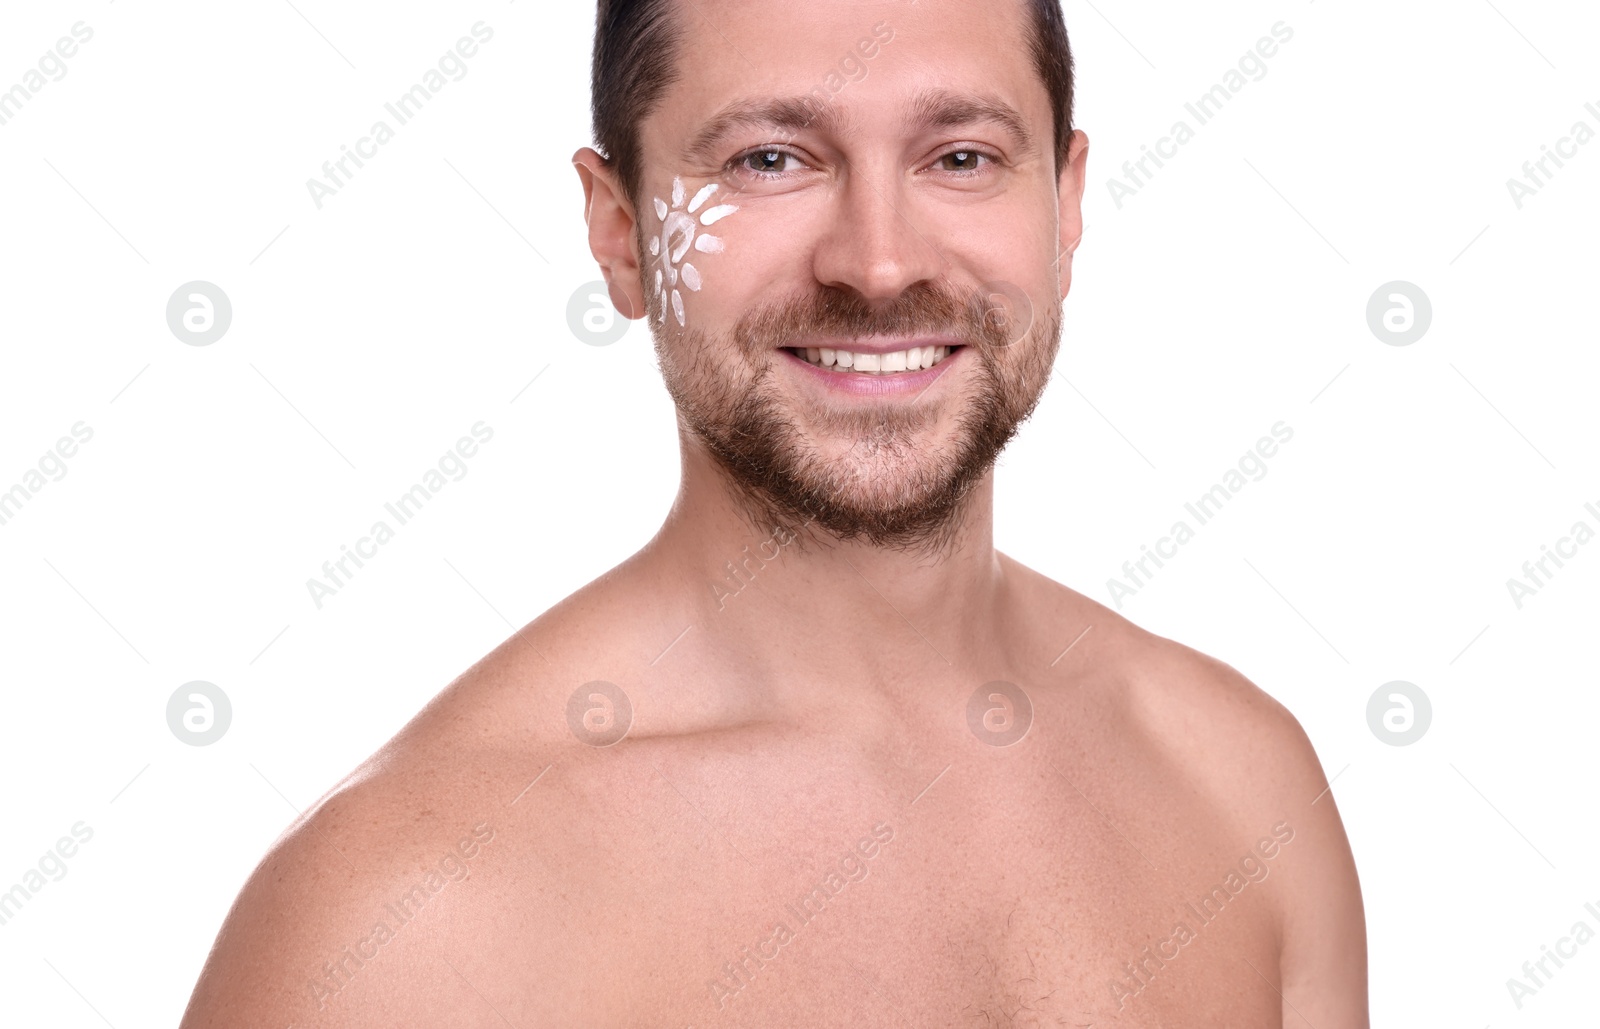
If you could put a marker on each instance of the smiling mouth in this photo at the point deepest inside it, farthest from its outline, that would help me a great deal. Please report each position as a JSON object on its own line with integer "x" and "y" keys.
{"x": 913, "y": 360}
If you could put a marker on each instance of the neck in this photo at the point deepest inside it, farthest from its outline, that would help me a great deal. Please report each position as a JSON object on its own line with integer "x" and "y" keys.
{"x": 792, "y": 601}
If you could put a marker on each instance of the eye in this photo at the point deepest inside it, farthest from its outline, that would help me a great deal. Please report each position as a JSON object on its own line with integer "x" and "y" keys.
{"x": 963, "y": 161}
{"x": 765, "y": 162}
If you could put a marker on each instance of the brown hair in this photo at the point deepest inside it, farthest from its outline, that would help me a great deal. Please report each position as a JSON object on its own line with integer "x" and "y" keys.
{"x": 635, "y": 61}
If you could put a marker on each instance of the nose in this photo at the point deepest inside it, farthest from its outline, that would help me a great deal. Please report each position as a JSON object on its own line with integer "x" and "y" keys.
{"x": 873, "y": 243}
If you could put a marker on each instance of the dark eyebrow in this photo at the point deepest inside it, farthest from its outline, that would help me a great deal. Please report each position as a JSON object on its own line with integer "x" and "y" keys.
{"x": 929, "y": 109}
{"x": 943, "y": 109}
{"x": 793, "y": 113}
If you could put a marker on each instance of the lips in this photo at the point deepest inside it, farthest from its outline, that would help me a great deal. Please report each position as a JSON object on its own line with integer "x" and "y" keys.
{"x": 874, "y": 362}
{"x": 842, "y": 383}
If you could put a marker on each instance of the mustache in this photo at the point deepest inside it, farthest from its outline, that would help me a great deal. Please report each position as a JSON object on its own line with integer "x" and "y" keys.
{"x": 990, "y": 318}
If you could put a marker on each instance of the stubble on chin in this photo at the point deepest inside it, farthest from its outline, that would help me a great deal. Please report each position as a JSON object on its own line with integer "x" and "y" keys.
{"x": 879, "y": 477}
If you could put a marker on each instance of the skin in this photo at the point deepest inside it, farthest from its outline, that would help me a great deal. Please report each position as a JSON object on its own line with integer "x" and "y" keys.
{"x": 811, "y": 715}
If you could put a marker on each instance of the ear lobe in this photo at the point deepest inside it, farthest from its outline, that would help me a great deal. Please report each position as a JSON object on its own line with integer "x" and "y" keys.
{"x": 622, "y": 300}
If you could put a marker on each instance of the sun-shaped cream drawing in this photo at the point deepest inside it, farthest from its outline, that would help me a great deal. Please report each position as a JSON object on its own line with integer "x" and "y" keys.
{"x": 680, "y": 232}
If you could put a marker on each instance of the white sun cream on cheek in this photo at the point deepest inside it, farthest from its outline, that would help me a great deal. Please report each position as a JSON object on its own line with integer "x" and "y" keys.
{"x": 680, "y": 232}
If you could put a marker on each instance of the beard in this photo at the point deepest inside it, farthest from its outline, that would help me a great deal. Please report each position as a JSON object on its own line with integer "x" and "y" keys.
{"x": 885, "y": 476}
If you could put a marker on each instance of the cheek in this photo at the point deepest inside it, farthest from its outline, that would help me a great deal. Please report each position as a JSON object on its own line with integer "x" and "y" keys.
{"x": 762, "y": 252}
{"x": 683, "y": 244}
{"x": 726, "y": 272}
{"x": 1018, "y": 248}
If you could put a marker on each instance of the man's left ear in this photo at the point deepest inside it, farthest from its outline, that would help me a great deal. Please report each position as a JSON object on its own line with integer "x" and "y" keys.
{"x": 1070, "y": 203}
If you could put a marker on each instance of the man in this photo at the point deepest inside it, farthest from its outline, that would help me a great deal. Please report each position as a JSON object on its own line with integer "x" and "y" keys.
{"x": 818, "y": 754}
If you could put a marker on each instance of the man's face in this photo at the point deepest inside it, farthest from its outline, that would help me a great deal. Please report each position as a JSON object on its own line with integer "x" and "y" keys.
{"x": 871, "y": 180}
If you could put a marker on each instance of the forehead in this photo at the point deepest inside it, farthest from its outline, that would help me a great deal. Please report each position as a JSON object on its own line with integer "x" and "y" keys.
{"x": 872, "y": 59}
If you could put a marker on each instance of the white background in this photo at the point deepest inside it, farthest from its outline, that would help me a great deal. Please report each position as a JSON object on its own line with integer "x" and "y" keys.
{"x": 1228, "y": 294}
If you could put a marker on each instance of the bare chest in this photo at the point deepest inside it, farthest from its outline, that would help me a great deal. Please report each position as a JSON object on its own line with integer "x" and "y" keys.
{"x": 835, "y": 893}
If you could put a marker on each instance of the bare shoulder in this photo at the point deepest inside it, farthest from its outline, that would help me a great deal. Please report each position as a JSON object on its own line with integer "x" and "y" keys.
{"x": 372, "y": 908}
{"x": 1199, "y": 711}
{"x": 1257, "y": 761}
{"x": 364, "y": 911}
{"x": 1246, "y": 757}
{"x": 1238, "y": 740}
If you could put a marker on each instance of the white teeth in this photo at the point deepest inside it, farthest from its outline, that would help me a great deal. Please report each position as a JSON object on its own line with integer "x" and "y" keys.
{"x": 912, "y": 360}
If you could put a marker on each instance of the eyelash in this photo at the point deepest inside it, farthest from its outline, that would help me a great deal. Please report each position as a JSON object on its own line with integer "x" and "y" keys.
{"x": 737, "y": 164}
